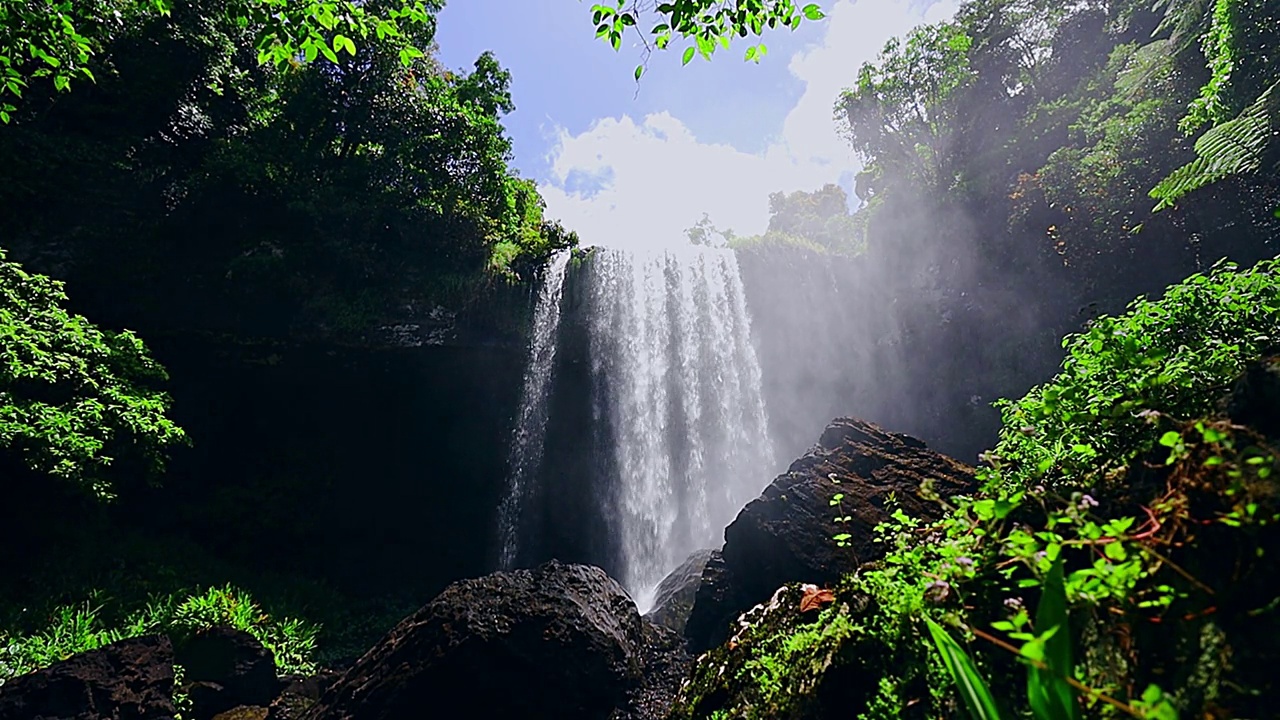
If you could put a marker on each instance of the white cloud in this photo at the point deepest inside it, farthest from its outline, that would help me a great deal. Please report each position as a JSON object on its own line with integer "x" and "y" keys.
{"x": 654, "y": 178}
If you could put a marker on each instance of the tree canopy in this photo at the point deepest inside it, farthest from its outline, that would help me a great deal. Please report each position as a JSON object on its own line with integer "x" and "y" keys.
{"x": 60, "y": 39}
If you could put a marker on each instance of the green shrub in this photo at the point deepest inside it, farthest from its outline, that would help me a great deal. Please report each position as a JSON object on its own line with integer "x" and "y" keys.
{"x": 72, "y": 394}
{"x": 1169, "y": 358}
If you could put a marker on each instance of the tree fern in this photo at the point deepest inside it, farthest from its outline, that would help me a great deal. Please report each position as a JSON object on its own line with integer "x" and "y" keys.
{"x": 1234, "y": 147}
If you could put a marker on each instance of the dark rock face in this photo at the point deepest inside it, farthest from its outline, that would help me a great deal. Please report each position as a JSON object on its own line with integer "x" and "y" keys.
{"x": 300, "y": 693}
{"x": 1256, "y": 396}
{"x": 559, "y": 641}
{"x": 675, "y": 594}
{"x": 227, "y": 668}
{"x": 786, "y": 534}
{"x": 127, "y": 680}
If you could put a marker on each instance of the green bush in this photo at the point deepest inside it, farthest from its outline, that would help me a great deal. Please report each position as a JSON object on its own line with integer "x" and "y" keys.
{"x": 72, "y": 394}
{"x": 1170, "y": 358}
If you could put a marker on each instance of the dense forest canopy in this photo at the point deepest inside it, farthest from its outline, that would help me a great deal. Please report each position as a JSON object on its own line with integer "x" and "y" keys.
{"x": 307, "y": 193}
{"x": 1092, "y": 137}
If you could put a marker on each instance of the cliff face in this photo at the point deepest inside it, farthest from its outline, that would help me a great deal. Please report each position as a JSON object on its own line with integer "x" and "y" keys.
{"x": 371, "y": 460}
{"x": 372, "y": 468}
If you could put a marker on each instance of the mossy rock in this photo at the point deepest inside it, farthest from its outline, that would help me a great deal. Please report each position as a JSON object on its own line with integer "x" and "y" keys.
{"x": 783, "y": 663}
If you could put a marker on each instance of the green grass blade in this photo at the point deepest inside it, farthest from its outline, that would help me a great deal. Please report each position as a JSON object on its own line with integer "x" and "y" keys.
{"x": 973, "y": 689}
{"x": 1048, "y": 693}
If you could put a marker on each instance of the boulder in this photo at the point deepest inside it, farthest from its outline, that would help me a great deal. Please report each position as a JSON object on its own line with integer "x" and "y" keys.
{"x": 786, "y": 535}
{"x": 558, "y": 641}
{"x": 225, "y": 668}
{"x": 673, "y": 600}
{"x": 126, "y": 680}
{"x": 300, "y": 692}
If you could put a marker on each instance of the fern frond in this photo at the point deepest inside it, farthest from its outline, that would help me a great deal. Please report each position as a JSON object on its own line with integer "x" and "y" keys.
{"x": 1234, "y": 147}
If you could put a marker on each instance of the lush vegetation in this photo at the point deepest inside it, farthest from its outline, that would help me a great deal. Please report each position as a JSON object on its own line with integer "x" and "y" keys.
{"x": 312, "y": 198}
{"x": 1124, "y": 499}
{"x": 252, "y": 171}
{"x": 79, "y": 628}
{"x": 72, "y": 396}
{"x": 308, "y": 170}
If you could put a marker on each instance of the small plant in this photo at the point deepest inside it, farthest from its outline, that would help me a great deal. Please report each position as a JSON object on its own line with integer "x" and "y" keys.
{"x": 1051, "y": 689}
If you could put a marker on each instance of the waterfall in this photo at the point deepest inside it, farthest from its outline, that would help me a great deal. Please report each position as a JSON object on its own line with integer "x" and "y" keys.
{"x": 676, "y": 380}
{"x": 531, "y": 425}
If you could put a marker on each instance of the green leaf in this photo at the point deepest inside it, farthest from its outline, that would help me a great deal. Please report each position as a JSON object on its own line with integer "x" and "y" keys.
{"x": 1048, "y": 693}
{"x": 1171, "y": 438}
{"x": 639, "y": 72}
{"x": 813, "y": 12}
{"x": 973, "y": 689}
{"x": 688, "y": 55}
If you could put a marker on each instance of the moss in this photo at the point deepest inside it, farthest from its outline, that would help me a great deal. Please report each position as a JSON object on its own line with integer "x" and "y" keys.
{"x": 782, "y": 663}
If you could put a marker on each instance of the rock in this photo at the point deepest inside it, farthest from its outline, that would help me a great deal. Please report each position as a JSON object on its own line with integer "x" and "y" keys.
{"x": 812, "y": 661}
{"x": 300, "y": 693}
{"x": 244, "y": 712}
{"x": 1255, "y": 397}
{"x": 786, "y": 534}
{"x": 673, "y": 599}
{"x": 559, "y": 641}
{"x": 126, "y": 680}
{"x": 225, "y": 668}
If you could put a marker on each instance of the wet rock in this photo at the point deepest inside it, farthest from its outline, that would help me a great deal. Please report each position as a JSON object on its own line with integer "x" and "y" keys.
{"x": 126, "y": 680}
{"x": 225, "y": 668}
{"x": 559, "y": 641}
{"x": 674, "y": 597}
{"x": 299, "y": 694}
{"x": 786, "y": 535}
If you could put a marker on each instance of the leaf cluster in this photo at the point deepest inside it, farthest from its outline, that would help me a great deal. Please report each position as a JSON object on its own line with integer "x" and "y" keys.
{"x": 73, "y": 395}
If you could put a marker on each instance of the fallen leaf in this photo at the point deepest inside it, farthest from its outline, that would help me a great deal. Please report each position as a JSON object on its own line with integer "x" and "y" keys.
{"x": 815, "y": 598}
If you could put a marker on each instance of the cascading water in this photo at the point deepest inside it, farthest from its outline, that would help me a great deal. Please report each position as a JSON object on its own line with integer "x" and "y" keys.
{"x": 530, "y": 431}
{"x": 677, "y": 381}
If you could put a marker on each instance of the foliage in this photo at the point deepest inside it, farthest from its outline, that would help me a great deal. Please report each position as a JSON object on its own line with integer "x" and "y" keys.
{"x": 709, "y": 24}
{"x": 324, "y": 199}
{"x": 821, "y": 216}
{"x": 79, "y": 628}
{"x": 899, "y": 114}
{"x": 59, "y": 39}
{"x": 1169, "y": 357}
{"x": 74, "y": 396}
{"x": 1233, "y": 147}
{"x": 816, "y": 221}
{"x": 1144, "y": 587}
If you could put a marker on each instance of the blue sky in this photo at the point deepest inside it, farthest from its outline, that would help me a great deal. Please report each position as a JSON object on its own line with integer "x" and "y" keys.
{"x": 634, "y": 165}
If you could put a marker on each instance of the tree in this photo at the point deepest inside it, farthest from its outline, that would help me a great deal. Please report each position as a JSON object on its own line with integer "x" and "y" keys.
{"x": 901, "y": 113}
{"x": 58, "y": 39}
{"x": 709, "y": 24}
{"x": 705, "y": 233}
{"x": 820, "y": 216}
{"x": 72, "y": 395}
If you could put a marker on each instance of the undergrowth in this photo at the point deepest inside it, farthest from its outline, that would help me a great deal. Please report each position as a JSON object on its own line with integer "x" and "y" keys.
{"x": 73, "y": 629}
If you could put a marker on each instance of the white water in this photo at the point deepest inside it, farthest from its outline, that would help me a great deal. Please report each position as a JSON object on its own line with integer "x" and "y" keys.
{"x": 678, "y": 381}
{"x": 531, "y": 427}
